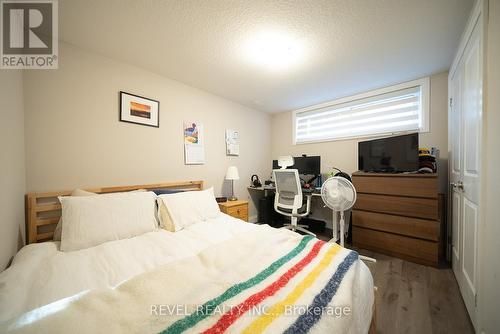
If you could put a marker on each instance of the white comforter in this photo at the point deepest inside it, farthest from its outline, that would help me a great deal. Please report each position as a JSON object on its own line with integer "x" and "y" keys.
{"x": 41, "y": 274}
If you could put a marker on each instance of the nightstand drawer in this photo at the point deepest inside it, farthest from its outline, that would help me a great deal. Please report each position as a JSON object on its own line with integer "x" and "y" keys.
{"x": 236, "y": 209}
{"x": 238, "y": 212}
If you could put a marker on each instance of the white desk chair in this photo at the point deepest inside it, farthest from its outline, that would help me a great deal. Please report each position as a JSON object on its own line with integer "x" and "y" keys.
{"x": 289, "y": 199}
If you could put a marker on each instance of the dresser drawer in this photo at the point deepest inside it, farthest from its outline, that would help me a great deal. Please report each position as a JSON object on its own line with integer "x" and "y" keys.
{"x": 399, "y": 186}
{"x": 404, "y": 206}
{"x": 416, "y": 250}
{"x": 413, "y": 227}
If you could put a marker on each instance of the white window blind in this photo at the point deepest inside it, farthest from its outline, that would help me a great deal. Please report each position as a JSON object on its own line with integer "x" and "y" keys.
{"x": 391, "y": 111}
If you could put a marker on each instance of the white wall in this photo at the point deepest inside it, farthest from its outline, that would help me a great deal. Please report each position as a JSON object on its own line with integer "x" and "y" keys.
{"x": 489, "y": 294}
{"x": 12, "y": 176}
{"x": 74, "y": 138}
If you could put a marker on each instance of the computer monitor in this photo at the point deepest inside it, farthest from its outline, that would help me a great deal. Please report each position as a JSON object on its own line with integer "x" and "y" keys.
{"x": 305, "y": 165}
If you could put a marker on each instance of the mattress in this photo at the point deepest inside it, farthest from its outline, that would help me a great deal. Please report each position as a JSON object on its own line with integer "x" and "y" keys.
{"x": 41, "y": 274}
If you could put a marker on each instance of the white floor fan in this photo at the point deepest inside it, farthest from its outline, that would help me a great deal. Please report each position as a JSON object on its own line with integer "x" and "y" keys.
{"x": 339, "y": 194}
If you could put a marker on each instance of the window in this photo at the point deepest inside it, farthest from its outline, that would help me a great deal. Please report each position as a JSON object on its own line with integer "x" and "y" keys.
{"x": 398, "y": 108}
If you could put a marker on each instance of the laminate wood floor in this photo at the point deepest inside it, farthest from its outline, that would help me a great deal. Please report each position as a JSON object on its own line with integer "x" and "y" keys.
{"x": 412, "y": 298}
{"x": 415, "y": 299}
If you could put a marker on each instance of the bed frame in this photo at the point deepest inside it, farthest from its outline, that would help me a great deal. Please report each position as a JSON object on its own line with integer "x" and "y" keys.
{"x": 43, "y": 210}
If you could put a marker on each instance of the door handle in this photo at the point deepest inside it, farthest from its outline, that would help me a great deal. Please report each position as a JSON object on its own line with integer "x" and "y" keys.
{"x": 458, "y": 185}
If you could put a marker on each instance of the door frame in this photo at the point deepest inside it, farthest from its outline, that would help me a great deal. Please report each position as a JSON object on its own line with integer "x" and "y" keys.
{"x": 479, "y": 16}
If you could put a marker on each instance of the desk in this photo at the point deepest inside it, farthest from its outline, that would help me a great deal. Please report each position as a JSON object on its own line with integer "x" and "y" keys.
{"x": 306, "y": 192}
{"x": 315, "y": 193}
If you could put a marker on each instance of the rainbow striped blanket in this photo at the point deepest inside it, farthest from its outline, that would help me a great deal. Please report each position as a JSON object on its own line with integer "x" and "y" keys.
{"x": 267, "y": 280}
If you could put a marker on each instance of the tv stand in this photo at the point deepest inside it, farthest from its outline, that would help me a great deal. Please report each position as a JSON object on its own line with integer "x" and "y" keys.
{"x": 398, "y": 214}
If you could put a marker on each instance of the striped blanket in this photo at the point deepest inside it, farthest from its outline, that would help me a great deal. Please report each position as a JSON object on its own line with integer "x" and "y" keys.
{"x": 267, "y": 280}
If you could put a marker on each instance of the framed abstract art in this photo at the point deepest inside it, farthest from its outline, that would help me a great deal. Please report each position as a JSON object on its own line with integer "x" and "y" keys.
{"x": 139, "y": 110}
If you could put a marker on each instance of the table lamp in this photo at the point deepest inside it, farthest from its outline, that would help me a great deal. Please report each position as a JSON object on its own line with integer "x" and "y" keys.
{"x": 232, "y": 174}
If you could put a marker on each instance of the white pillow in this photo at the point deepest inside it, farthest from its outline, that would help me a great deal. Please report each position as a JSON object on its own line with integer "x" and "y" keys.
{"x": 189, "y": 207}
{"x": 76, "y": 192}
{"x": 92, "y": 220}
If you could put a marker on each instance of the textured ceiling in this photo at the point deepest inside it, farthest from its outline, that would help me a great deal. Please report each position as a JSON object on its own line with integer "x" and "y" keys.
{"x": 344, "y": 47}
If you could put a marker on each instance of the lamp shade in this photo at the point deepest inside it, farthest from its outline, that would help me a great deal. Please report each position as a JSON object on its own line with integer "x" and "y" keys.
{"x": 232, "y": 173}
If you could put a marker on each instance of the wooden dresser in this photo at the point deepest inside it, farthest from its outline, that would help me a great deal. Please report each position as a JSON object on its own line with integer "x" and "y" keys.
{"x": 399, "y": 215}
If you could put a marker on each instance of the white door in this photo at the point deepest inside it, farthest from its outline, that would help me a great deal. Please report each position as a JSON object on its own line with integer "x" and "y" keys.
{"x": 455, "y": 135}
{"x": 465, "y": 143}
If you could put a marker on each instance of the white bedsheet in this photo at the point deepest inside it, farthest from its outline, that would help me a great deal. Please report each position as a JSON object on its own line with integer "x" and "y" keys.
{"x": 41, "y": 274}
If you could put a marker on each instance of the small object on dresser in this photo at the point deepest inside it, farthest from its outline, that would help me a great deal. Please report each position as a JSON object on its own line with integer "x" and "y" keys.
{"x": 221, "y": 199}
{"x": 427, "y": 160}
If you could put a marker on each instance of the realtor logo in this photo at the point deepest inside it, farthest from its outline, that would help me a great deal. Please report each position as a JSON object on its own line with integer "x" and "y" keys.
{"x": 29, "y": 36}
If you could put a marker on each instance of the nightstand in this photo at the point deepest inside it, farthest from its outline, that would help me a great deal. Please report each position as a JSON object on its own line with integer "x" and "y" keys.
{"x": 237, "y": 209}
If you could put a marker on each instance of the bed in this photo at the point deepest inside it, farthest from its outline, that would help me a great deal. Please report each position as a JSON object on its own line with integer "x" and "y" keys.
{"x": 218, "y": 275}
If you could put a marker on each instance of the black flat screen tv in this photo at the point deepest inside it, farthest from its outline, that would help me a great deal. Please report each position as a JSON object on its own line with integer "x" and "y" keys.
{"x": 389, "y": 155}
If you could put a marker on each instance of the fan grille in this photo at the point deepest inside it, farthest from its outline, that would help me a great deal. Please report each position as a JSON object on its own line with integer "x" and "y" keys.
{"x": 338, "y": 193}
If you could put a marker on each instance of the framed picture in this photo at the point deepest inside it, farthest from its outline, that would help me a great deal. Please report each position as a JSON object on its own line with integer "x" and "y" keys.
{"x": 139, "y": 110}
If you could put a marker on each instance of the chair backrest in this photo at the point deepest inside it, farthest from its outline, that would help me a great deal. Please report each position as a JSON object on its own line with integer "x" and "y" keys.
{"x": 288, "y": 189}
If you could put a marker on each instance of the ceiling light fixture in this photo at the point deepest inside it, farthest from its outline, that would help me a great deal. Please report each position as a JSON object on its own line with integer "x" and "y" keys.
{"x": 274, "y": 50}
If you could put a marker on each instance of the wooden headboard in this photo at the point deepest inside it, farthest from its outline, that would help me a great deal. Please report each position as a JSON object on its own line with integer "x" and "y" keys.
{"x": 43, "y": 210}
